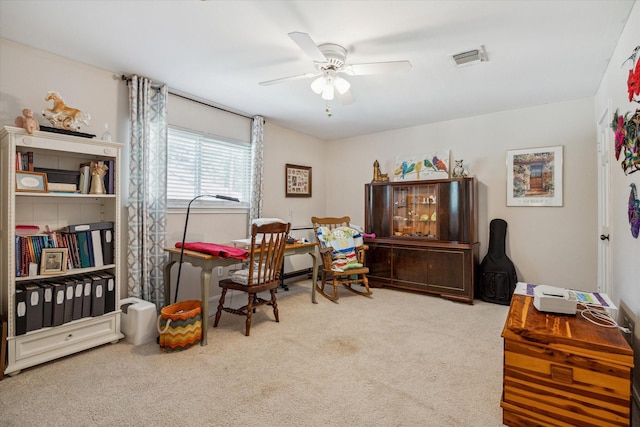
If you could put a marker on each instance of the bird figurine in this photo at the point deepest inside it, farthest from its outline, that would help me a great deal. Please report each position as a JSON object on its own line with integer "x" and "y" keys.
{"x": 634, "y": 211}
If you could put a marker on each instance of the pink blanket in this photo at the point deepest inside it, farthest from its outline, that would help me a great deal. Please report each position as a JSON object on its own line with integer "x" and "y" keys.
{"x": 222, "y": 251}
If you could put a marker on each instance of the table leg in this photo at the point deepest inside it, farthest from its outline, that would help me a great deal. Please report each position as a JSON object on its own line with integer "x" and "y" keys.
{"x": 167, "y": 282}
{"x": 205, "y": 281}
{"x": 314, "y": 276}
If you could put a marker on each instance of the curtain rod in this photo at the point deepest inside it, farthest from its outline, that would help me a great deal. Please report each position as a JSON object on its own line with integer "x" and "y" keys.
{"x": 207, "y": 104}
{"x": 127, "y": 79}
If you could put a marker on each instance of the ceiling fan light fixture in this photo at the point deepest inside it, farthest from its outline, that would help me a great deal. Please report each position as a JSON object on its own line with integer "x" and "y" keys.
{"x": 342, "y": 86}
{"x": 318, "y": 84}
{"x": 328, "y": 93}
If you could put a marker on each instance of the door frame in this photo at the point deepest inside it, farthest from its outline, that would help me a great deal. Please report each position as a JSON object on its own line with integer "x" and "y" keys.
{"x": 604, "y": 200}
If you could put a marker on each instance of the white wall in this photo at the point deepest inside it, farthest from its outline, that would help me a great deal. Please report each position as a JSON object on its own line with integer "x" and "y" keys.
{"x": 552, "y": 245}
{"x": 613, "y": 95}
{"x": 26, "y": 75}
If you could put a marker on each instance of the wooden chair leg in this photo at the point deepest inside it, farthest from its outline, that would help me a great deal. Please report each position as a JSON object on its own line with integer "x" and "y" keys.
{"x": 324, "y": 293}
{"x": 336, "y": 283}
{"x": 220, "y": 303}
{"x": 274, "y": 304}
{"x": 249, "y": 314}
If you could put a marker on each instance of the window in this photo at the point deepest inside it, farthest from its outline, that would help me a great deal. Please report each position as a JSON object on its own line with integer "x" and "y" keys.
{"x": 203, "y": 164}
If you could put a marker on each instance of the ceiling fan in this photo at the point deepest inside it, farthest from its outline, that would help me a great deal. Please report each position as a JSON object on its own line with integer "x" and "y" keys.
{"x": 329, "y": 60}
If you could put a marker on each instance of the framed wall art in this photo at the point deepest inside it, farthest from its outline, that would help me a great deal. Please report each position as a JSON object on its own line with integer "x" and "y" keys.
{"x": 297, "y": 181}
{"x": 534, "y": 177}
{"x": 34, "y": 182}
{"x": 420, "y": 167}
{"x": 53, "y": 261}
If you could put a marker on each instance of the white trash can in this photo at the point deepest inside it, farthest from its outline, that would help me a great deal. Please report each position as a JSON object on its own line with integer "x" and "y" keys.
{"x": 138, "y": 320}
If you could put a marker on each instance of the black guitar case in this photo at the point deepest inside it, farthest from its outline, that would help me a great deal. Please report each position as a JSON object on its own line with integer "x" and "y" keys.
{"x": 498, "y": 276}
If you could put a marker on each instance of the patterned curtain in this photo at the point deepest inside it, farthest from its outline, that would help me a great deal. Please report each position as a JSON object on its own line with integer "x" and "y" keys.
{"x": 257, "y": 164}
{"x": 147, "y": 206}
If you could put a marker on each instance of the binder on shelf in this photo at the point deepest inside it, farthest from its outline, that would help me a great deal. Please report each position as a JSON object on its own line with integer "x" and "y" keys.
{"x": 86, "y": 296}
{"x": 96, "y": 241}
{"x": 98, "y": 295}
{"x": 102, "y": 225}
{"x": 83, "y": 249}
{"x": 90, "y": 248}
{"x": 106, "y": 237}
{"x": 57, "y": 313}
{"x": 110, "y": 291}
{"x": 69, "y": 289}
{"x": 21, "y": 311}
{"x": 77, "y": 298}
{"x": 33, "y": 305}
{"x": 47, "y": 304}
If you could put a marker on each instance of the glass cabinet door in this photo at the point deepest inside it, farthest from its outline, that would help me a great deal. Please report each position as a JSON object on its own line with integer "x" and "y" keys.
{"x": 415, "y": 211}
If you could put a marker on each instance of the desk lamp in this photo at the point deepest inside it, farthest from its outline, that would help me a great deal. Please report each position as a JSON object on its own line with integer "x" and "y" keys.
{"x": 184, "y": 233}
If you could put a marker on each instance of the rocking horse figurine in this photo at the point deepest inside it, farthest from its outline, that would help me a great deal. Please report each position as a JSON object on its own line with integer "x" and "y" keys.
{"x": 63, "y": 117}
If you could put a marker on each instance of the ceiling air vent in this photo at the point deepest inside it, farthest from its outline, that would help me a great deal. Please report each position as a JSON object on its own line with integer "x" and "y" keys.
{"x": 469, "y": 57}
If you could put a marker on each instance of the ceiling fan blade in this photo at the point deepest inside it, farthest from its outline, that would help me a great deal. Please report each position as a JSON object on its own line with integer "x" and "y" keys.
{"x": 289, "y": 79}
{"x": 378, "y": 68}
{"x": 308, "y": 46}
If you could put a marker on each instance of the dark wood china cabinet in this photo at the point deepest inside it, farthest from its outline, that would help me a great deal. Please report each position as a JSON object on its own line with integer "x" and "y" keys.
{"x": 425, "y": 236}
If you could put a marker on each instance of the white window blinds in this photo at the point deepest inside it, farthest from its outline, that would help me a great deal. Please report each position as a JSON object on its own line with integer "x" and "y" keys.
{"x": 204, "y": 164}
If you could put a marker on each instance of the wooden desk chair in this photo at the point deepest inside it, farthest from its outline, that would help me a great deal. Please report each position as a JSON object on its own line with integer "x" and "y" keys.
{"x": 346, "y": 277}
{"x": 263, "y": 273}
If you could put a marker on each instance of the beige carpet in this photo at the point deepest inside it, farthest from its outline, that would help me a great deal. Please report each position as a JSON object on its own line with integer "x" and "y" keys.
{"x": 396, "y": 359}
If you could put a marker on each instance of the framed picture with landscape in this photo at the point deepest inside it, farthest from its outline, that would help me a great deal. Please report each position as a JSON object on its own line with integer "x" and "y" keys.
{"x": 297, "y": 181}
{"x": 534, "y": 177}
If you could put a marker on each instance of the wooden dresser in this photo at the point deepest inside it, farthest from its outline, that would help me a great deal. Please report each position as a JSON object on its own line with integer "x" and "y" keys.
{"x": 562, "y": 370}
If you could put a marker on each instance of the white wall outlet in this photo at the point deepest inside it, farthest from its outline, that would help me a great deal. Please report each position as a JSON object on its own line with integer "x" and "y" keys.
{"x": 220, "y": 271}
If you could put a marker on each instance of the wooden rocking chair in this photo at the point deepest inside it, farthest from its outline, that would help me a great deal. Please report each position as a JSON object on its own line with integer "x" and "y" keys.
{"x": 347, "y": 277}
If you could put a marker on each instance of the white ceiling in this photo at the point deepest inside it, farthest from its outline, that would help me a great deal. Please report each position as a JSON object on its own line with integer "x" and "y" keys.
{"x": 539, "y": 52}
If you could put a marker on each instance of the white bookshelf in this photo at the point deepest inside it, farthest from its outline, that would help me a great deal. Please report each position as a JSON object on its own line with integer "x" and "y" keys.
{"x": 54, "y": 210}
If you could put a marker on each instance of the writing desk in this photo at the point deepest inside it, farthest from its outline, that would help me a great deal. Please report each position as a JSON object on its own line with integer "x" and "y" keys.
{"x": 208, "y": 262}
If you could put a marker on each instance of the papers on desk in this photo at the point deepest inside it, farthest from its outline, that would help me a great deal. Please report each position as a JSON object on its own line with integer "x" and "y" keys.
{"x": 593, "y": 298}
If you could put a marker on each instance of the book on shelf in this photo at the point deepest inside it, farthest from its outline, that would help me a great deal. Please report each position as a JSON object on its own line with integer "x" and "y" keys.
{"x": 85, "y": 179}
{"x": 24, "y": 161}
{"x": 25, "y": 230}
{"x": 62, "y": 187}
{"x": 89, "y": 245}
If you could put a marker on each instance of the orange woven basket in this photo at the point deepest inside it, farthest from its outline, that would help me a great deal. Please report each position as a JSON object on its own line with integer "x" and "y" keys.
{"x": 180, "y": 325}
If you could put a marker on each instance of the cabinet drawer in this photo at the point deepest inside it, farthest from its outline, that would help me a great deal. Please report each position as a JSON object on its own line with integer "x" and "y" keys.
{"x": 567, "y": 387}
{"x": 47, "y": 344}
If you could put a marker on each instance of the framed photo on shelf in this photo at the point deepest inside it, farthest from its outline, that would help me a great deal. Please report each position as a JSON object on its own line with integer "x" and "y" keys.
{"x": 534, "y": 177}
{"x": 53, "y": 261}
{"x": 33, "y": 182}
{"x": 297, "y": 181}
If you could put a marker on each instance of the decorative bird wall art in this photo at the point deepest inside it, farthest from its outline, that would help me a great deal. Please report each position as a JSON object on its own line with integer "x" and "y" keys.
{"x": 431, "y": 166}
{"x": 634, "y": 211}
{"x": 627, "y": 140}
